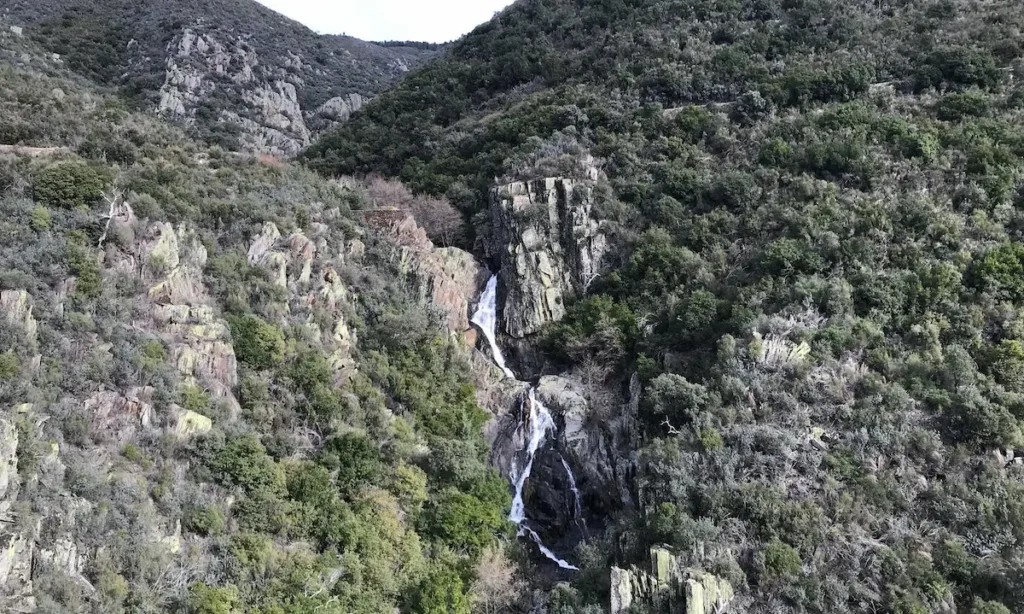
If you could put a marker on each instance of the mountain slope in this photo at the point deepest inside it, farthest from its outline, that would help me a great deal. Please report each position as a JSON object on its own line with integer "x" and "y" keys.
{"x": 773, "y": 250}
{"x": 221, "y": 390}
{"x": 241, "y": 74}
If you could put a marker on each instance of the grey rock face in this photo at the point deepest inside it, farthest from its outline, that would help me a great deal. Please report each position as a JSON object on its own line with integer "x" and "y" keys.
{"x": 668, "y": 587}
{"x": 550, "y": 247}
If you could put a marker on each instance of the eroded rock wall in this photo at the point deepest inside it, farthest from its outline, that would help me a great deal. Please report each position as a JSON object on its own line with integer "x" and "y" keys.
{"x": 550, "y": 247}
{"x": 668, "y": 588}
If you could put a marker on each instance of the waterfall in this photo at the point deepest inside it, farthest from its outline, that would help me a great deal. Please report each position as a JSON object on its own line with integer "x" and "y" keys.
{"x": 539, "y": 421}
{"x": 486, "y": 317}
{"x": 578, "y": 510}
{"x": 544, "y": 549}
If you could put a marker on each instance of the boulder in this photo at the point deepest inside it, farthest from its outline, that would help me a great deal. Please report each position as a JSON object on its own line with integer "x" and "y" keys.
{"x": 191, "y": 424}
{"x": 16, "y": 552}
{"x": 447, "y": 278}
{"x": 550, "y": 247}
{"x": 340, "y": 108}
{"x": 121, "y": 416}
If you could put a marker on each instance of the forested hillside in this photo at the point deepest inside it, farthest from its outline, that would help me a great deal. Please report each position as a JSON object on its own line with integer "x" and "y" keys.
{"x": 702, "y": 306}
{"x": 810, "y": 264}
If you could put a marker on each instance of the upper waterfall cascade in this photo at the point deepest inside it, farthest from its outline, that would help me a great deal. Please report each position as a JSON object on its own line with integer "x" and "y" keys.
{"x": 538, "y": 424}
{"x": 486, "y": 318}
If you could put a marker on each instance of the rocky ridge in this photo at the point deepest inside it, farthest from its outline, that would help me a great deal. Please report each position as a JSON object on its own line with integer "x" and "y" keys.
{"x": 269, "y": 116}
{"x": 237, "y": 73}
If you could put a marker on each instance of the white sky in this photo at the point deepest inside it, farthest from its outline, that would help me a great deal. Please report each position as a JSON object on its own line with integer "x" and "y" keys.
{"x": 434, "y": 21}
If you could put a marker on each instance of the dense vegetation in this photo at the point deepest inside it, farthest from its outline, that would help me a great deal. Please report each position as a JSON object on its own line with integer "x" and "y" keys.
{"x": 816, "y": 216}
{"x": 361, "y": 493}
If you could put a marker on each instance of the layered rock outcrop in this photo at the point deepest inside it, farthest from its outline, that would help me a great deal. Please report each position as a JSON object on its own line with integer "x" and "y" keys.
{"x": 668, "y": 588}
{"x": 259, "y": 93}
{"x": 307, "y": 268}
{"x": 199, "y": 340}
{"x": 16, "y": 305}
{"x": 550, "y": 247}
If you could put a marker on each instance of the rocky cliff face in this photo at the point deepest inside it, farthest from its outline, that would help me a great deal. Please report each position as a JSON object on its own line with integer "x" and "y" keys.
{"x": 549, "y": 245}
{"x": 268, "y": 102}
{"x": 668, "y": 588}
{"x": 447, "y": 278}
{"x": 269, "y": 117}
{"x": 306, "y": 266}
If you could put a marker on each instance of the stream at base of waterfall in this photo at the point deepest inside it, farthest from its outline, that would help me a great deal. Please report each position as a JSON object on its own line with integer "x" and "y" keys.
{"x": 539, "y": 423}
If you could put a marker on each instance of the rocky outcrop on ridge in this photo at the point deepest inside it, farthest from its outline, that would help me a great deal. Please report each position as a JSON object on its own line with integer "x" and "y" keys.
{"x": 549, "y": 244}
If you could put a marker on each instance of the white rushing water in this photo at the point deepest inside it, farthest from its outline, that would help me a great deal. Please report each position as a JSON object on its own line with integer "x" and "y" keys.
{"x": 486, "y": 317}
{"x": 539, "y": 422}
{"x": 578, "y": 510}
{"x": 544, "y": 549}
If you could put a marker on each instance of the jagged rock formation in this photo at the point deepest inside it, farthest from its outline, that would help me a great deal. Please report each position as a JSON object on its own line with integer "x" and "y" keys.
{"x": 307, "y": 268}
{"x": 549, "y": 244}
{"x": 199, "y": 341}
{"x": 594, "y": 446}
{"x": 271, "y": 121}
{"x": 668, "y": 588}
{"x": 16, "y": 305}
{"x": 28, "y": 549}
{"x": 446, "y": 277}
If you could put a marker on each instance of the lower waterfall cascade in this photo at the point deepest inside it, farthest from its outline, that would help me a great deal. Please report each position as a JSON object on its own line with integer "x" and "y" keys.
{"x": 539, "y": 422}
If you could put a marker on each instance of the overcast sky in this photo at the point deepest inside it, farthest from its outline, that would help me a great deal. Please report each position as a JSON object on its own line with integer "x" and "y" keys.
{"x": 435, "y": 21}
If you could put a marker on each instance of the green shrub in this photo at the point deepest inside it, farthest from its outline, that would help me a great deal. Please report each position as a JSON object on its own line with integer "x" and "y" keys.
{"x": 257, "y": 343}
{"x": 1002, "y": 271}
{"x": 1008, "y": 365}
{"x": 70, "y": 185}
{"x": 243, "y": 461}
{"x": 205, "y": 599}
{"x": 152, "y": 355}
{"x": 981, "y": 606}
{"x": 779, "y": 560}
{"x": 442, "y": 593}
{"x": 195, "y": 399}
{"x": 959, "y": 105}
{"x": 355, "y": 458}
{"x": 711, "y": 439}
{"x": 40, "y": 219}
{"x": 134, "y": 453}
{"x": 10, "y": 364}
{"x": 89, "y": 277}
{"x": 205, "y": 520}
{"x": 464, "y": 522}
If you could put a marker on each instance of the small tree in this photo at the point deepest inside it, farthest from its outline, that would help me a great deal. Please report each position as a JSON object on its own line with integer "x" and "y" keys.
{"x": 257, "y": 343}
{"x": 496, "y": 586}
{"x": 439, "y": 219}
{"x": 70, "y": 185}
